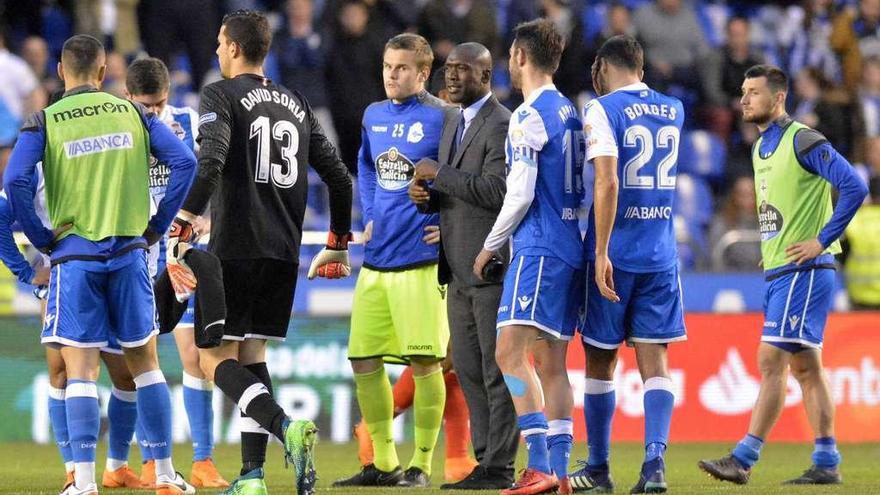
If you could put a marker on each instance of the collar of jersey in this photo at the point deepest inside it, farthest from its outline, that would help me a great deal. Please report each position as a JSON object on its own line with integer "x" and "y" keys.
{"x": 85, "y": 88}
{"x": 639, "y": 86}
{"x": 407, "y": 103}
{"x": 536, "y": 93}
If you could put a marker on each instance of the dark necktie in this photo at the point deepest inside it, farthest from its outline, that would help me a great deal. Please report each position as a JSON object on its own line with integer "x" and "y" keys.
{"x": 459, "y": 133}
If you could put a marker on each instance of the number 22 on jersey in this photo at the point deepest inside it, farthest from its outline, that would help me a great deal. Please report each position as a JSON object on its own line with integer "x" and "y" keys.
{"x": 666, "y": 140}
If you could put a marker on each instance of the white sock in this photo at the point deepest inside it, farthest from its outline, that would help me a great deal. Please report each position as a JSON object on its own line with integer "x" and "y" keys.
{"x": 164, "y": 467}
{"x": 68, "y": 466}
{"x": 114, "y": 464}
{"x": 84, "y": 474}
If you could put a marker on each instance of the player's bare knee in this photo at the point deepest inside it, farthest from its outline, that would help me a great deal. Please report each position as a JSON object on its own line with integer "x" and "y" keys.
{"x": 600, "y": 362}
{"x": 771, "y": 368}
{"x": 364, "y": 366}
{"x": 425, "y": 366}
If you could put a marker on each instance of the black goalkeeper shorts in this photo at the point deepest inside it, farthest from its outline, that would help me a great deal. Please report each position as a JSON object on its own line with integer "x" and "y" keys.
{"x": 259, "y": 298}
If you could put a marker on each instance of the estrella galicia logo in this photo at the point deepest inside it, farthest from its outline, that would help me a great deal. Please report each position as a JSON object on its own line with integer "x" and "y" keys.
{"x": 395, "y": 170}
{"x": 90, "y": 111}
{"x": 770, "y": 221}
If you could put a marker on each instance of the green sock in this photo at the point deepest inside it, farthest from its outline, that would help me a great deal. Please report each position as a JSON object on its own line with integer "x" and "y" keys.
{"x": 428, "y": 401}
{"x": 377, "y": 406}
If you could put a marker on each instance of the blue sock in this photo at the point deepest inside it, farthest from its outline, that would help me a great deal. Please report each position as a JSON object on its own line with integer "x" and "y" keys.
{"x": 83, "y": 426}
{"x": 534, "y": 429}
{"x": 658, "y": 402}
{"x": 143, "y": 443}
{"x": 559, "y": 437}
{"x": 122, "y": 416}
{"x": 825, "y": 453}
{"x": 599, "y": 403}
{"x": 748, "y": 450}
{"x": 154, "y": 410}
{"x": 197, "y": 395}
{"x": 58, "y": 419}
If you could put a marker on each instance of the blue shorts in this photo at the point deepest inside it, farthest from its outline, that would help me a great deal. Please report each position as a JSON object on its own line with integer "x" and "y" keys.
{"x": 796, "y": 306}
{"x": 542, "y": 292}
{"x": 189, "y": 316}
{"x": 92, "y": 302}
{"x": 650, "y": 310}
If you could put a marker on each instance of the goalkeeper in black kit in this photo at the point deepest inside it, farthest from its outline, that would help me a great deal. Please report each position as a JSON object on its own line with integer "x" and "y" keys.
{"x": 256, "y": 138}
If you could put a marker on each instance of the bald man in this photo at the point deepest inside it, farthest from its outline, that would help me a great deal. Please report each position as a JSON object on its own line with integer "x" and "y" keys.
{"x": 466, "y": 186}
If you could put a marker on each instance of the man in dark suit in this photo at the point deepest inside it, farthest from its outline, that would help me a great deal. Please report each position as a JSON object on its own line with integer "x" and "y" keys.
{"x": 467, "y": 186}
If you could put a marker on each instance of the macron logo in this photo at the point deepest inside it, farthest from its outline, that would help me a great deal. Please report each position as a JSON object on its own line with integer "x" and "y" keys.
{"x": 522, "y": 115}
{"x": 524, "y": 302}
{"x": 98, "y": 144}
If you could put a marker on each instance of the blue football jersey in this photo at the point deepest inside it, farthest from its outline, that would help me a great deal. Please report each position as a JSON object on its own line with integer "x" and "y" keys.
{"x": 642, "y": 128}
{"x": 546, "y": 128}
{"x": 395, "y": 136}
{"x": 184, "y": 122}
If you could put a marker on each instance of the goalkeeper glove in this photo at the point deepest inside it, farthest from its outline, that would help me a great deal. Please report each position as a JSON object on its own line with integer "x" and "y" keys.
{"x": 182, "y": 278}
{"x": 332, "y": 261}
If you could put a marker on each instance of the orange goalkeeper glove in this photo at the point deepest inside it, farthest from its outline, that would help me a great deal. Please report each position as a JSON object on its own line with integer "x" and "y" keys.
{"x": 332, "y": 261}
{"x": 182, "y": 278}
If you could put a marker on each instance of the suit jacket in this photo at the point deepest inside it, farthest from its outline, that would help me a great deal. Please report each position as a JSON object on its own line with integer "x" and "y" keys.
{"x": 469, "y": 190}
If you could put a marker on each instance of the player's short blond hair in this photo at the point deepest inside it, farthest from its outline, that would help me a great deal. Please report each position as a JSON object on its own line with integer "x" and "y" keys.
{"x": 414, "y": 43}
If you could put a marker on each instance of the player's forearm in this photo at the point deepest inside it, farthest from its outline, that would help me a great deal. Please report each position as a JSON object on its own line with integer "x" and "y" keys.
{"x": 325, "y": 160}
{"x": 206, "y": 182}
{"x": 520, "y": 193}
{"x": 604, "y": 210}
{"x": 9, "y": 253}
{"x": 826, "y": 162}
{"x": 17, "y": 182}
{"x": 852, "y": 194}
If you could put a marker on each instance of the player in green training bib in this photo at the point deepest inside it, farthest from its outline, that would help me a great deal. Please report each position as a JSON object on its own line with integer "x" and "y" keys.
{"x": 95, "y": 151}
{"x": 795, "y": 170}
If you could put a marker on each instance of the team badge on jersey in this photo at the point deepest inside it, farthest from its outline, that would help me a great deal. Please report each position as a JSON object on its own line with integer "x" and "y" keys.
{"x": 770, "y": 221}
{"x": 416, "y": 133}
{"x": 178, "y": 130}
{"x": 395, "y": 171}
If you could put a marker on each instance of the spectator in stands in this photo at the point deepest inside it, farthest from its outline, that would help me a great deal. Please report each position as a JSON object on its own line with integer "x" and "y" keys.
{"x": 20, "y": 95}
{"x": 870, "y": 166}
{"x": 673, "y": 42}
{"x": 35, "y": 52}
{"x": 446, "y": 23}
{"x": 738, "y": 213}
{"x": 572, "y": 77}
{"x": 352, "y": 78}
{"x": 171, "y": 26}
{"x": 298, "y": 51}
{"x": 856, "y": 36}
{"x": 618, "y": 22}
{"x": 509, "y": 14}
{"x": 869, "y": 96}
{"x": 114, "y": 79}
{"x": 862, "y": 265}
{"x": 803, "y": 39}
{"x": 739, "y": 152}
{"x": 722, "y": 73}
{"x": 825, "y": 108}
{"x": 114, "y": 22}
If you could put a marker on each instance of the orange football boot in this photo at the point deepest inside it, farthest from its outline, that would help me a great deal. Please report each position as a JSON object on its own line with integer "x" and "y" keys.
{"x": 532, "y": 482}
{"x": 205, "y": 475}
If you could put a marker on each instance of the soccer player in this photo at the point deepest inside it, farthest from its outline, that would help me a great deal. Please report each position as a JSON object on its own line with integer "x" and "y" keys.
{"x": 122, "y": 405}
{"x": 148, "y": 83}
{"x": 95, "y": 148}
{"x": 399, "y": 314}
{"x": 633, "y": 290}
{"x": 256, "y": 139}
{"x": 542, "y": 288}
{"x": 795, "y": 169}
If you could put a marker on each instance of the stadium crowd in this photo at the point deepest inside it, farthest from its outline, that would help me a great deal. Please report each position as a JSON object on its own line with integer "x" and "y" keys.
{"x": 330, "y": 50}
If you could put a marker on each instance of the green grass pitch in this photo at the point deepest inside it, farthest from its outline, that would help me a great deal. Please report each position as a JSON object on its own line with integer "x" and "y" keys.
{"x": 36, "y": 469}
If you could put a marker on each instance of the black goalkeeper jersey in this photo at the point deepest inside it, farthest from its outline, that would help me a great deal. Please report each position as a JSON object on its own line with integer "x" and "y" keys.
{"x": 255, "y": 140}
